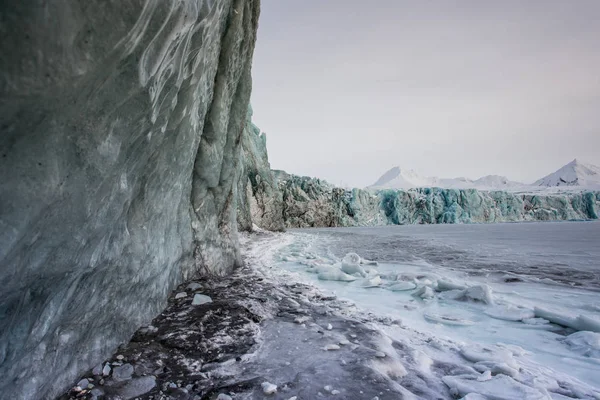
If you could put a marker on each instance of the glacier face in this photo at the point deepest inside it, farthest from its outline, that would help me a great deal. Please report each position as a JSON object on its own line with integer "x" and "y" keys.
{"x": 310, "y": 202}
{"x": 121, "y": 154}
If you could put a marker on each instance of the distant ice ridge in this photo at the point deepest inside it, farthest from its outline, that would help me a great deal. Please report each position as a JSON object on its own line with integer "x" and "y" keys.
{"x": 575, "y": 173}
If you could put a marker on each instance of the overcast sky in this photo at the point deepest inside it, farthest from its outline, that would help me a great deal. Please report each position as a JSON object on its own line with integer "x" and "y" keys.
{"x": 347, "y": 89}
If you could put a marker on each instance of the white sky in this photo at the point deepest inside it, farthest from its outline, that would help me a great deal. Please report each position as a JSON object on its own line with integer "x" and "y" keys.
{"x": 347, "y": 89}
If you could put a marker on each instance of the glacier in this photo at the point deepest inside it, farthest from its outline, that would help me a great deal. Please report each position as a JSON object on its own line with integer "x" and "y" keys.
{"x": 312, "y": 202}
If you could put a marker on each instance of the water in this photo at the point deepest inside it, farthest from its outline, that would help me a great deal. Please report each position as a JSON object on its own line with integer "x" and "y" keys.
{"x": 566, "y": 252}
{"x": 529, "y": 267}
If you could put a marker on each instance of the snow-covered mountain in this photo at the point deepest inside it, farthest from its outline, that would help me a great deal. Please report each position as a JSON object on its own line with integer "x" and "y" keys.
{"x": 575, "y": 173}
{"x": 398, "y": 178}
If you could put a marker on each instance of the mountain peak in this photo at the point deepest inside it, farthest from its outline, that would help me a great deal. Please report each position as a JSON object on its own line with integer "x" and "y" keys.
{"x": 575, "y": 173}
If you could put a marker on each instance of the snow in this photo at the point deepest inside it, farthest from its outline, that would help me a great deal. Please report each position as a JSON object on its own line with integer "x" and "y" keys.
{"x": 398, "y": 178}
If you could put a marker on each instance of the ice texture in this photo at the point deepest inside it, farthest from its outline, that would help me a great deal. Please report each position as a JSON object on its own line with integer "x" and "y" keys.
{"x": 121, "y": 143}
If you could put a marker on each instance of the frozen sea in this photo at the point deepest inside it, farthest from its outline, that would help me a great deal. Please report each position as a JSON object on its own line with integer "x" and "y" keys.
{"x": 519, "y": 304}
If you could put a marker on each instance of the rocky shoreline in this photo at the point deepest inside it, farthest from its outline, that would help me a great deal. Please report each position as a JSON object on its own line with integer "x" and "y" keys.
{"x": 255, "y": 333}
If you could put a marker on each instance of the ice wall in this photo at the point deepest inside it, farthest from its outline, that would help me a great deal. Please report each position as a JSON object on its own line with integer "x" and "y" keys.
{"x": 120, "y": 154}
{"x": 310, "y": 202}
{"x": 260, "y": 201}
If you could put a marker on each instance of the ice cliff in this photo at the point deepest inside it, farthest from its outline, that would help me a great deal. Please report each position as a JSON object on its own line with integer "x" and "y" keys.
{"x": 311, "y": 202}
{"x": 121, "y": 158}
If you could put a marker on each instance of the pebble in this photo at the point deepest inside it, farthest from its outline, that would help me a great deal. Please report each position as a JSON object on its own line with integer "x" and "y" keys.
{"x": 106, "y": 370}
{"x": 328, "y": 388}
{"x": 380, "y": 354}
{"x": 123, "y": 373}
{"x": 223, "y": 396}
{"x": 180, "y": 295}
{"x": 83, "y": 384}
{"x": 268, "y": 388}
{"x": 200, "y": 299}
{"x": 344, "y": 342}
{"x": 334, "y": 392}
{"x": 329, "y": 327}
{"x": 97, "y": 370}
{"x": 120, "y": 357}
{"x": 331, "y": 347}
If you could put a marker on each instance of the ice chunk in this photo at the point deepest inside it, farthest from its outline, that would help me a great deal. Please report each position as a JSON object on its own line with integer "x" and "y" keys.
{"x": 424, "y": 292}
{"x": 334, "y": 274}
{"x": 351, "y": 265}
{"x": 447, "y": 320}
{"x": 500, "y": 387}
{"x": 200, "y": 299}
{"x": 535, "y": 321}
{"x": 372, "y": 282}
{"x": 194, "y": 286}
{"x": 444, "y": 284}
{"x": 481, "y": 293}
{"x": 510, "y": 313}
{"x": 268, "y": 388}
{"x": 584, "y": 343}
{"x": 496, "y": 368}
{"x": 401, "y": 286}
{"x": 496, "y": 355}
{"x": 364, "y": 261}
{"x": 473, "y": 396}
{"x": 486, "y": 376}
{"x": 578, "y": 322}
